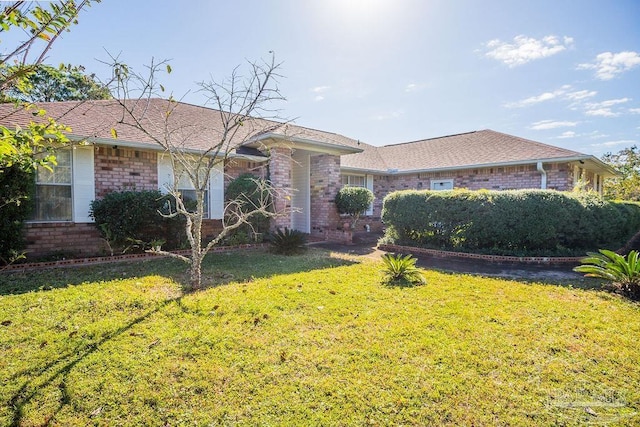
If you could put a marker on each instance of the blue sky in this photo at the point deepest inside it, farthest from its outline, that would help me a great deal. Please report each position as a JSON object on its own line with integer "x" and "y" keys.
{"x": 565, "y": 73}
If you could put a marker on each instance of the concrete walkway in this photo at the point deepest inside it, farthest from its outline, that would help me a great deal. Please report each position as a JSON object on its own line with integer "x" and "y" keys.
{"x": 365, "y": 244}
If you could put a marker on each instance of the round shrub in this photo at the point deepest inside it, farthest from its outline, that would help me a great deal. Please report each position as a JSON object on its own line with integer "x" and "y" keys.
{"x": 353, "y": 201}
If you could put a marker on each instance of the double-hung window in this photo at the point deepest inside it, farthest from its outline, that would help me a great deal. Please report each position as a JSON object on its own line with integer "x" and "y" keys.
{"x": 189, "y": 194}
{"x": 53, "y": 197}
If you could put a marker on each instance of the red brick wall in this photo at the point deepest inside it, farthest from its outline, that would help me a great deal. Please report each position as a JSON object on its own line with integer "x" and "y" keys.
{"x": 280, "y": 175}
{"x": 72, "y": 239}
{"x": 233, "y": 168}
{"x": 325, "y": 183}
{"x": 124, "y": 169}
{"x": 559, "y": 177}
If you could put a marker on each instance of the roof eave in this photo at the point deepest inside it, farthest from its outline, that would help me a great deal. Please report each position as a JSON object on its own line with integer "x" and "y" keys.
{"x": 585, "y": 157}
{"x": 270, "y": 139}
{"x": 157, "y": 147}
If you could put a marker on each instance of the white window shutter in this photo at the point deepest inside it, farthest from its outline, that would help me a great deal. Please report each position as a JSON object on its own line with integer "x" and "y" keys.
{"x": 165, "y": 173}
{"x": 216, "y": 192}
{"x": 84, "y": 188}
{"x": 369, "y": 185}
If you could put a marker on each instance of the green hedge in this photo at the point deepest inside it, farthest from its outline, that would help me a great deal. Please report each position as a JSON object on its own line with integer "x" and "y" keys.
{"x": 126, "y": 217}
{"x": 519, "y": 222}
{"x": 17, "y": 187}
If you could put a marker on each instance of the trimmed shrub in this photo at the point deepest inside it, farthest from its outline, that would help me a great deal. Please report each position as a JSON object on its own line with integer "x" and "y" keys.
{"x": 518, "y": 222}
{"x": 16, "y": 203}
{"x": 128, "y": 219}
{"x": 353, "y": 201}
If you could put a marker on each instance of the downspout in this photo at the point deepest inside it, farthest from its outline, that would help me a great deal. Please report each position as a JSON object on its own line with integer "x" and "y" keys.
{"x": 543, "y": 181}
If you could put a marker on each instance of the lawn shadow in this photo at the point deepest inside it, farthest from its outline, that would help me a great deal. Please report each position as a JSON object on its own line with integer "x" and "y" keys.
{"x": 218, "y": 268}
{"x": 62, "y": 366}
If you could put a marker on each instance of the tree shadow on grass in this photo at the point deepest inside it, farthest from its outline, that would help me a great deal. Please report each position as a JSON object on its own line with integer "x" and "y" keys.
{"x": 217, "y": 268}
{"x": 60, "y": 368}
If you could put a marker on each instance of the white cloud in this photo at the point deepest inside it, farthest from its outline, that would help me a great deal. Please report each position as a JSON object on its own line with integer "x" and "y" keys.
{"x": 614, "y": 143}
{"x": 567, "y": 134}
{"x": 608, "y": 103}
{"x": 581, "y": 94}
{"x": 319, "y": 90}
{"x": 603, "y": 109}
{"x": 546, "y": 96}
{"x": 608, "y": 65}
{"x": 414, "y": 87}
{"x": 388, "y": 115}
{"x": 525, "y": 49}
{"x": 602, "y": 112}
{"x": 563, "y": 93}
{"x": 551, "y": 124}
{"x": 634, "y": 110}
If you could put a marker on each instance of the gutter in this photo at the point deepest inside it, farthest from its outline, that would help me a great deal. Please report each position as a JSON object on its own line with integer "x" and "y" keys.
{"x": 151, "y": 146}
{"x": 583, "y": 158}
{"x": 543, "y": 181}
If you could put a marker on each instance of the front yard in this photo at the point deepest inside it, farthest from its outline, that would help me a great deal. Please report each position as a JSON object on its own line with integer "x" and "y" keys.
{"x": 310, "y": 340}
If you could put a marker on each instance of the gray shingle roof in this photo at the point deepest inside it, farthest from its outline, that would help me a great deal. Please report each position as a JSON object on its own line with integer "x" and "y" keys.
{"x": 196, "y": 127}
{"x": 189, "y": 126}
{"x": 464, "y": 150}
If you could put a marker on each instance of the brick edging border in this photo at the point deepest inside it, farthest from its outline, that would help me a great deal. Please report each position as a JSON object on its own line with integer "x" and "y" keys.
{"x": 79, "y": 262}
{"x": 490, "y": 258}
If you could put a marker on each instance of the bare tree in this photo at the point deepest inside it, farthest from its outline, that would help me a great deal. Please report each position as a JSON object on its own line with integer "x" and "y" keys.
{"x": 244, "y": 109}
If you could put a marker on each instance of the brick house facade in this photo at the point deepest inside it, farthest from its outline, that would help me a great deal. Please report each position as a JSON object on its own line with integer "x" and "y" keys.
{"x": 306, "y": 167}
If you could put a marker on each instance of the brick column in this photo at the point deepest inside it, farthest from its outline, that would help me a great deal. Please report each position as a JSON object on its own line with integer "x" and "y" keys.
{"x": 280, "y": 174}
{"x": 325, "y": 183}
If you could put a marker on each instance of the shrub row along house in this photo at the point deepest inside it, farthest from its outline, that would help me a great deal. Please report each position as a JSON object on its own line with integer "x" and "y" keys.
{"x": 309, "y": 166}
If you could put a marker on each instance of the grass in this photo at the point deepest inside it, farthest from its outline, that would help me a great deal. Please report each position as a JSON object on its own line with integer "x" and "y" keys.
{"x": 310, "y": 340}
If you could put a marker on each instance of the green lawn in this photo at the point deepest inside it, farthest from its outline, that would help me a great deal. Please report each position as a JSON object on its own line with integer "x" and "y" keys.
{"x": 310, "y": 340}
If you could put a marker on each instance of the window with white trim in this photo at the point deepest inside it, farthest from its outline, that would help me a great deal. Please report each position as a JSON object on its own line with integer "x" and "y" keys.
{"x": 53, "y": 195}
{"x": 186, "y": 188}
{"x": 354, "y": 180}
{"x": 364, "y": 181}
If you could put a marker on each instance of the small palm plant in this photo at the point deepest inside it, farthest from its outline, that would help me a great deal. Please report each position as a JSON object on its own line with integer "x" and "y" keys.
{"x": 287, "y": 241}
{"x": 623, "y": 272}
{"x": 401, "y": 268}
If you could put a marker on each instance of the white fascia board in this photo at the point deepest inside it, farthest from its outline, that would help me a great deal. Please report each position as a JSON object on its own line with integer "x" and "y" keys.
{"x": 362, "y": 171}
{"x": 155, "y": 147}
{"x": 305, "y": 143}
{"x": 584, "y": 157}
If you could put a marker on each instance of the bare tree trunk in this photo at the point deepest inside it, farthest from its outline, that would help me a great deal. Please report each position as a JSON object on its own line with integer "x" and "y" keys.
{"x": 237, "y": 100}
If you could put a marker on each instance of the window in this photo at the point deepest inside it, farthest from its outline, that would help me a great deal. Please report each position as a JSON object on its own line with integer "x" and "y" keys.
{"x": 53, "y": 199}
{"x": 354, "y": 181}
{"x": 364, "y": 181}
{"x": 185, "y": 187}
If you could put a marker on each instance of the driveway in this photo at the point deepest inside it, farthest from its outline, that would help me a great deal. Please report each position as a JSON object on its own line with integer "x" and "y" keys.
{"x": 365, "y": 244}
